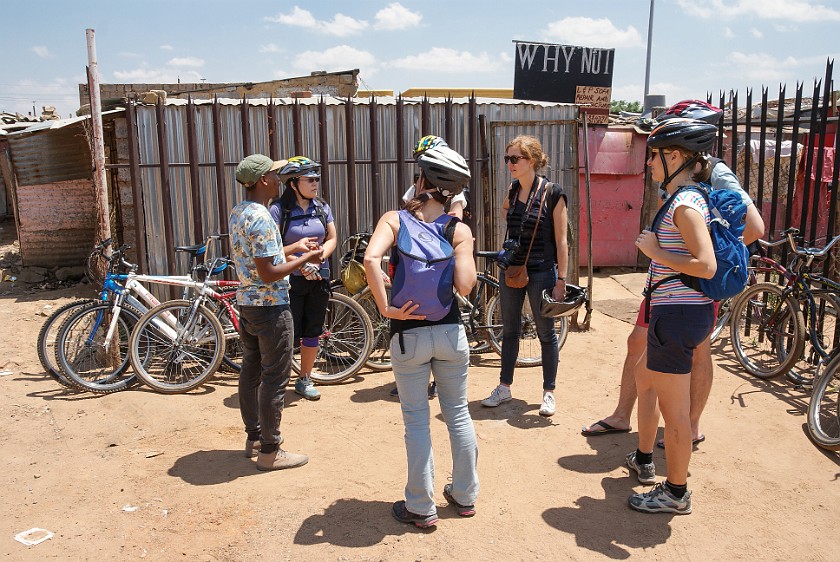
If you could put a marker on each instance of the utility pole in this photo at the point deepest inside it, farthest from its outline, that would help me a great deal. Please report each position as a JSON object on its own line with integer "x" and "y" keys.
{"x": 103, "y": 230}
{"x": 647, "y": 62}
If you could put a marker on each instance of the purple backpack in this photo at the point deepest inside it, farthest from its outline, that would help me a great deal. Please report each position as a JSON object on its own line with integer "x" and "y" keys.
{"x": 425, "y": 265}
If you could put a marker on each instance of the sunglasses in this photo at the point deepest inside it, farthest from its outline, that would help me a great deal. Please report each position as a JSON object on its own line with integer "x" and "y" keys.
{"x": 311, "y": 180}
{"x": 656, "y": 151}
{"x": 515, "y": 159}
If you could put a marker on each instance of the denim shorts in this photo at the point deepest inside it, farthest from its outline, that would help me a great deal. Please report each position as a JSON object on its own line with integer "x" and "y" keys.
{"x": 674, "y": 331}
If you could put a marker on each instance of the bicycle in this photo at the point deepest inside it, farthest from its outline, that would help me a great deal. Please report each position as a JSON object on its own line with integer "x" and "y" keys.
{"x": 178, "y": 345}
{"x": 760, "y": 264}
{"x": 824, "y": 408}
{"x": 92, "y": 343}
{"x": 769, "y": 328}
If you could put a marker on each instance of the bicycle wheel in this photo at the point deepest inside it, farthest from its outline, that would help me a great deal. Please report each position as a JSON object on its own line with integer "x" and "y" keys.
{"x": 724, "y": 312}
{"x": 530, "y": 351}
{"x": 767, "y": 333}
{"x": 380, "y": 355}
{"x": 176, "y": 347}
{"x": 345, "y": 344}
{"x": 81, "y": 352}
{"x": 47, "y": 339}
{"x": 824, "y": 326}
{"x": 824, "y": 409}
{"x": 232, "y": 359}
{"x": 474, "y": 313}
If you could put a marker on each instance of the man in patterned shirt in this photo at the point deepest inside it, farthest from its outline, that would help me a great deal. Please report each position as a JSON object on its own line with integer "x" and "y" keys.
{"x": 265, "y": 326}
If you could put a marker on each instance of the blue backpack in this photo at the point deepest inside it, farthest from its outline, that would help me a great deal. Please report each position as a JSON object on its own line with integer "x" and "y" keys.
{"x": 729, "y": 215}
{"x": 425, "y": 265}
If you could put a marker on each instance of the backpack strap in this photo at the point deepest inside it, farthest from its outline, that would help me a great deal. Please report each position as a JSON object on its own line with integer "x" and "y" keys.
{"x": 687, "y": 280}
{"x": 286, "y": 218}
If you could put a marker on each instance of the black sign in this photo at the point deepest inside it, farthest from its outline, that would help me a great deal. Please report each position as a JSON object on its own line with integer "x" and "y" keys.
{"x": 547, "y": 72}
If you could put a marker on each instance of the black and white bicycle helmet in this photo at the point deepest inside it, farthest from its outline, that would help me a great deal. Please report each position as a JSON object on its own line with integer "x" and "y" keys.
{"x": 427, "y": 142}
{"x": 445, "y": 169}
{"x": 575, "y": 297}
{"x": 692, "y": 109}
{"x": 689, "y": 134}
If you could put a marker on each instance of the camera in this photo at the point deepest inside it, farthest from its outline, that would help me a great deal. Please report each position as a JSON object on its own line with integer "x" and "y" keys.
{"x": 509, "y": 249}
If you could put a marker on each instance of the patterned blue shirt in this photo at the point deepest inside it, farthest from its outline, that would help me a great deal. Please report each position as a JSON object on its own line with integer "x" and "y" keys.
{"x": 254, "y": 234}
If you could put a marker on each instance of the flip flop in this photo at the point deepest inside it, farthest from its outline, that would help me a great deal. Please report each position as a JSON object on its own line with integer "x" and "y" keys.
{"x": 607, "y": 428}
{"x": 694, "y": 442}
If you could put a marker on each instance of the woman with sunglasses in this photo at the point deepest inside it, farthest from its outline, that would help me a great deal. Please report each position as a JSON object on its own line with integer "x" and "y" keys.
{"x": 680, "y": 317}
{"x": 306, "y": 222}
{"x": 536, "y": 218}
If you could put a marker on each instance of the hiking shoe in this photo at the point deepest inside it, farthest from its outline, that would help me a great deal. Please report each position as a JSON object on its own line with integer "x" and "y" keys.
{"x": 660, "y": 500}
{"x": 306, "y": 388}
{"x": 403, "y": 515}
{"x": 463, "y": 510}
{"x": 548, "y": 407}
{"x": 395, "y": 392}
{"x": 500, "y": 394}
{"x": 280, "y": 459}
{"x": 646, "y": 472}
{"x": 252, "y": 448}
{"x": 432, "y": 390}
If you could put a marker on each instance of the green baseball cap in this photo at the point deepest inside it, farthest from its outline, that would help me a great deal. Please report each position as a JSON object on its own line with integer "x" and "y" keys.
{"x": 255, "y": 166}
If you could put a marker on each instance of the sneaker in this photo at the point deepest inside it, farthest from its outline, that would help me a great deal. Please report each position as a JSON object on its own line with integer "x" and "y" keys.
{"x": 548, "y": 407}
{"x": 252, "y": 448}
{"x": 646, "y": 472}
{"x": 500, "y": 394}
{"x": 661, "y": 500}
{"x": 403, "y": 515}
{"x": 395, "y": 392}
{"x": 432, "y": 390}
{"x": 280, "y": 459}
{"x": 306, "y": 388}
{"x": 463, "y": 510}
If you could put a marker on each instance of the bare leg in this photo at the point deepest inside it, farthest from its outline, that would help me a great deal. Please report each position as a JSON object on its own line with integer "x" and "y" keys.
{"x": 647, "y": 417}
{"x": 673, "y": 393}
{"x": 636, "y": 351}
{"x": 307, "y": 360}
{"x": 701, "y": 384}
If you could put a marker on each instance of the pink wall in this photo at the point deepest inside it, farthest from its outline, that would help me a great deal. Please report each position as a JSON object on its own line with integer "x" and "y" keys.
{"x": 616, "y": 171}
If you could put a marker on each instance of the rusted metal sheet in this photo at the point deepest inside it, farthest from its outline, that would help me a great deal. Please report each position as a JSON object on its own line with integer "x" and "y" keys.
{"x": 53, "y": 155}
{"x": 616, "y": 151}
{"x": 57, "y": 223}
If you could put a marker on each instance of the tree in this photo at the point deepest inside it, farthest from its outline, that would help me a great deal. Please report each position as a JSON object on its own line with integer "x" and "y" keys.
{"x": 617, "y": 106}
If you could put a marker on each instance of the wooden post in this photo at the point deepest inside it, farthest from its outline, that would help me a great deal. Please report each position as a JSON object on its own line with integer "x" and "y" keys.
{"x": 103, "y": 223}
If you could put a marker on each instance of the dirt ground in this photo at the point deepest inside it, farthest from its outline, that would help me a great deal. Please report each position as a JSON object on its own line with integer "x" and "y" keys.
{"x": 139, "y": 475}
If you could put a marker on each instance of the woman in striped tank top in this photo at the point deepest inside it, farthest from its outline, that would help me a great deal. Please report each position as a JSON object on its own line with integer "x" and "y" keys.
{"x": 680, "y": 317}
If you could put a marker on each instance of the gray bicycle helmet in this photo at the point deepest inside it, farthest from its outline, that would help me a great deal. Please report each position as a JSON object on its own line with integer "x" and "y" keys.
{"x": 575, "y": 297}
{"x": 690, "y": 134}
{"x": 445, "y": 169}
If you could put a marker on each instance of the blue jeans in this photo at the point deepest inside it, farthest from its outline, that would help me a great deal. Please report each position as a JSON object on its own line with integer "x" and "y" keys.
{"x": 443, "y": 350}
{"x": 266, "y": 336}
{"x": 511, "y": 301}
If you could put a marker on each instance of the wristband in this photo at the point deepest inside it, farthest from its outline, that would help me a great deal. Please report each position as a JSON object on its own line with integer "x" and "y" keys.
{"x": 561, "y": 278}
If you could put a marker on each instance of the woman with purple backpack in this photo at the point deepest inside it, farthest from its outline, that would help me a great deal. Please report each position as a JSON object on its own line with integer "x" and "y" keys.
{"x": 434, "y": 255}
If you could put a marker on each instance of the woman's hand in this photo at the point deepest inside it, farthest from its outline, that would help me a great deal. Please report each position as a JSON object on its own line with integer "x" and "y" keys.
{"x": 404, "y": 313}
{"x": 303, "y": 245}
{"x": 647, "y": 243}
{"x": 558, "y": 293}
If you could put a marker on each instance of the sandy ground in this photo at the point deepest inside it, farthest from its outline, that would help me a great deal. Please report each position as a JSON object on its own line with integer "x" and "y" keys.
{"x": 138, "y": 475}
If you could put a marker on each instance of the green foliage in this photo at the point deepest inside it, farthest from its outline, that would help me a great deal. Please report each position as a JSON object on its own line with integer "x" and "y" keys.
{"x": 620, "y": 105}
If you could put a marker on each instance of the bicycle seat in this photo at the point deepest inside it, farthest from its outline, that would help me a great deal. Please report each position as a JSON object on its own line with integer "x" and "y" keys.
{"x": 194, "y": 250}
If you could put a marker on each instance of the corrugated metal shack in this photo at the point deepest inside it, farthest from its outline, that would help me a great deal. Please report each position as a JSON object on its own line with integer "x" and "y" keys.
{"x": 52, "y": 191}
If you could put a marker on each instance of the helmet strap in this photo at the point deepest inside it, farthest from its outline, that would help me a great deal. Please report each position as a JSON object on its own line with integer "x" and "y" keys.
{"x": 668, "y": 177}
{"x": 295, "y": 184}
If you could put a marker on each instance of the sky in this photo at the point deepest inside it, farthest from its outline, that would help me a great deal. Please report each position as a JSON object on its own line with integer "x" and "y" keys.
{"x": 698, "y": 46}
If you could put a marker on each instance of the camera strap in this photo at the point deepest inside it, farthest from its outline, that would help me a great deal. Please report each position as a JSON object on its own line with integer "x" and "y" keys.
{"x": 537, "y": 225}
{"x": 538, "y": 181}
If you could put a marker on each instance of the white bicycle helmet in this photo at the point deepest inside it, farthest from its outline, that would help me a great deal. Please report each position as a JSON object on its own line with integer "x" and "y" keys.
{"x": 445, "y": 169}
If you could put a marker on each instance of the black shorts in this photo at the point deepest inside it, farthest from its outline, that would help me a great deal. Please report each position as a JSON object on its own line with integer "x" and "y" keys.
{"x": 674, "y": 331}
{"x": 308, "y": 301}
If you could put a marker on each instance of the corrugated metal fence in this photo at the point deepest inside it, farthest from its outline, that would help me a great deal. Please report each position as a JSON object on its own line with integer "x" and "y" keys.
{"x": 182, "y": 167}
